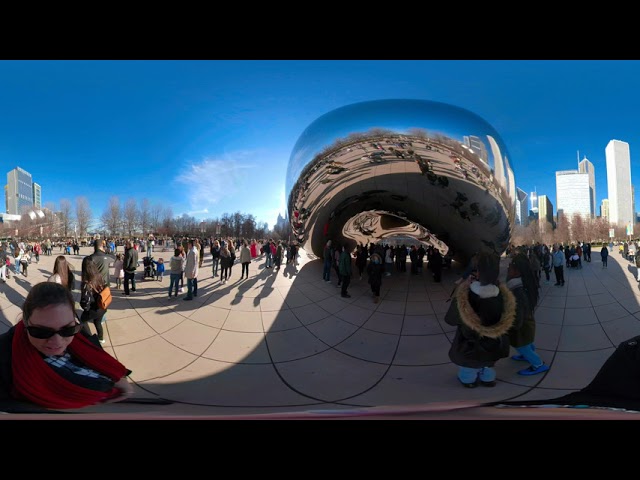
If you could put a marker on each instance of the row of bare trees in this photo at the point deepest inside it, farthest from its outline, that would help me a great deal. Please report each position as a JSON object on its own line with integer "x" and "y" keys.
{"x": 567, "y": 231}
{"x": 132, "y": 219}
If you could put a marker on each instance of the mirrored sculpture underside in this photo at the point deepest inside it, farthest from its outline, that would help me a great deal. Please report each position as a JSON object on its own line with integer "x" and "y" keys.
{"x": 394, "y": 187}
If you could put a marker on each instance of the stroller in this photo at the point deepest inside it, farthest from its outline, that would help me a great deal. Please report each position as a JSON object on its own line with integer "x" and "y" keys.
{"x": 149, "y": 267}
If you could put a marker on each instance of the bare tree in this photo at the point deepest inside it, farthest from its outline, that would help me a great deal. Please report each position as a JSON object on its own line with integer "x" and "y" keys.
{"x": 144, "y": 216}
{"x": 65, "y": 217}
{"x": 520, "y": 236}
{"x": 562, "y": 234}
{"x": 578, "y": 230}
{"x": 237, "y": 220}
{"x": 131, "y": 216}
{"x": 546, "y": 232}
{"x": 112, "y": 216}
{"x": 226, "y": 225}
{"x": 83, "y": 215}
{"x": 600, "y": 229}
{"x": 156, "y": 215}
{"x": 249, "y": 227}
{"x": 167, "y": 226}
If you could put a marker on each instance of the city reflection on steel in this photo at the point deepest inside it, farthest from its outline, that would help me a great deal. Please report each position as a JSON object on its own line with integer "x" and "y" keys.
{"x": 402, "y": 171}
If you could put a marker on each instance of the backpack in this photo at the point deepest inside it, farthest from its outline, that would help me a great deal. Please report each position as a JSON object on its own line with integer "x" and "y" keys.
{"x": 103, "y": 298}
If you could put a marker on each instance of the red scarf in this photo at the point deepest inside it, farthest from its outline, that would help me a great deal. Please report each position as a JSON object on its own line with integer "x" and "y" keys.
{"x": 37, "y": 382}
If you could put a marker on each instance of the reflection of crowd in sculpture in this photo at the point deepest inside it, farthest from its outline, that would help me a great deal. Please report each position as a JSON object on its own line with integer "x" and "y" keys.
{"x": 324, "y": 168}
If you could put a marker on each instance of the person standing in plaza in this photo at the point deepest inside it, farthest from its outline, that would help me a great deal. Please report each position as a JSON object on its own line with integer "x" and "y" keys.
{"x": 176, "y": 265}
{"x": 118, "y": 271}
{"x": 63, "y": 273}
{"x": 558, "y": 264}
{"x": 361, "y": 259}
{"x": 200, "y": 246}
{"x": 245, "y": 260}
{"x": 278, "y": 255}
{"x": 344, "y": 267}
{"x": 191, "y": 270}
{"x": 268, "y": 263}
{"x": 524, "y": 286}
{"x": 374, "y": 271}
{"x": 159, "y": 269}
{"x": 3, "y": 264}
{"x": 232, "y": 257}
{"x": 92, "y": 284}
{"x": 102, "y": 261}
{"x": 225, "y": 260}
{"x": 215, "y": 255}
{"x": 130, "y": 266}
{"x": 604, "y": 255}
{"x": 327, "y": 257}
{"x": 483, "y": 312}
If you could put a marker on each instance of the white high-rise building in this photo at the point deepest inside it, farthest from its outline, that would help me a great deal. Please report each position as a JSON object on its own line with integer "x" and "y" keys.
{"x": 572, "y": 193}
{"x": 585, "y": 166}
{"x": 619, "y": 183}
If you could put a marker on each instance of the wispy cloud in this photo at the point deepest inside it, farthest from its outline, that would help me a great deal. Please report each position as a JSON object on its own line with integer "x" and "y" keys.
{"x": 215, "y": 179}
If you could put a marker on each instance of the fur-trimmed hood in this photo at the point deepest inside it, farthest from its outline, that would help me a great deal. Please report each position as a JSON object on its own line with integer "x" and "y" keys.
{"x": 471, "y": 319}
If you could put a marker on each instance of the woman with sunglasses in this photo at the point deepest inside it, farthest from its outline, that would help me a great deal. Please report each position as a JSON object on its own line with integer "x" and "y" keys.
{"x": 44, "y": 362}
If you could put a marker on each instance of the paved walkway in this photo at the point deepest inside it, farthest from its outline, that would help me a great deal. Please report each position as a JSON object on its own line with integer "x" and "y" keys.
{"x": 286, "y": 344}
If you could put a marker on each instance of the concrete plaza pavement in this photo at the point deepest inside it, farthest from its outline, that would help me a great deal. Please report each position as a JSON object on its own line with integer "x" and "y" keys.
{"x": 285, "y": 344}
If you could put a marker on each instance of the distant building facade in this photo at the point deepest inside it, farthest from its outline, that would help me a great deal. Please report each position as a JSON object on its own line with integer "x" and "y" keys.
{"x": 618, "y": 158}
{"x": 19, "y": 191}
{"x": 572, "y": 194}
{"x": 545, "y": 209}
{"x": 604, "y": 209}
{"x": 585, "y": 166}
{"x": 522, "y": 210}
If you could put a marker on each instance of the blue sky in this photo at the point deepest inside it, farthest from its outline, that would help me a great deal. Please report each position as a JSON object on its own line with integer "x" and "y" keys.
{"x": 209, "y": 137}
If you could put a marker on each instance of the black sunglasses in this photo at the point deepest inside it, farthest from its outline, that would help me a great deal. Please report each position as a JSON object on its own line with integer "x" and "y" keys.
{"x": 44, "y": 333}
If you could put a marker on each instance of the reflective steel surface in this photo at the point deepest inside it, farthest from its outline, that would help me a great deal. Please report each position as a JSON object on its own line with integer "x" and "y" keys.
{"x": 402, "y": 171}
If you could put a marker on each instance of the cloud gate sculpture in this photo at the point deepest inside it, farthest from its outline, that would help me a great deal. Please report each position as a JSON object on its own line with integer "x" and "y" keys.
{"x": 401, "y": 171}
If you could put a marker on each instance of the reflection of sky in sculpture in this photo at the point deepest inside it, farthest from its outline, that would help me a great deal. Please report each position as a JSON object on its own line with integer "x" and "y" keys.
{"x": 396, "y": 115}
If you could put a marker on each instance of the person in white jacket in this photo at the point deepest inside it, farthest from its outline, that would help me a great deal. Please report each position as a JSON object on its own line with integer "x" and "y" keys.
{"x": 191, "y": 270}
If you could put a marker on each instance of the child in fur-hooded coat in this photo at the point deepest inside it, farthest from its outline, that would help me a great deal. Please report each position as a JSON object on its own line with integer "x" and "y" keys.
{"x": 483, "y": 311}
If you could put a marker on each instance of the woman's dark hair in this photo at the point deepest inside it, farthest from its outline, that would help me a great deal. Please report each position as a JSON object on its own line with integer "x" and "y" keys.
{"x": 521, "y": 264}
{"x": 91, "y": 275}
{"x": 176, "y": 252}
{"x": 62, "y": 268}
{"x": 46, "y": 294}
{"x": 488, "y": 268}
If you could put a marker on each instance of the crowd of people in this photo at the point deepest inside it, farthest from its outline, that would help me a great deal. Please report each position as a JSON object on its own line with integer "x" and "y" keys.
{"x": 53, "y": 359}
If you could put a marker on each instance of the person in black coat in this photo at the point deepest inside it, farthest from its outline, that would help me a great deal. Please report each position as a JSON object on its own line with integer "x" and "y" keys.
{"x": 436, "y": 264}
{"x": 92, "y": 284}
{"x": 375, "y": 271}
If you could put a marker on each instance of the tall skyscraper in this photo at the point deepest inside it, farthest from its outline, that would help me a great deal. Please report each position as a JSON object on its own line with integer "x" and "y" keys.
{"x": 619, "y": 183}
{"x": 533, "y": 196}
{"x": 37, "y": 196}
{"x": 19, "y": 191}
{"x": 585, "y": 166}
{"x": 545, "y": 209}
{"x": 522, "y": 211}
{"x": 572, "y": 193}
{"x": 604, "y": 209}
